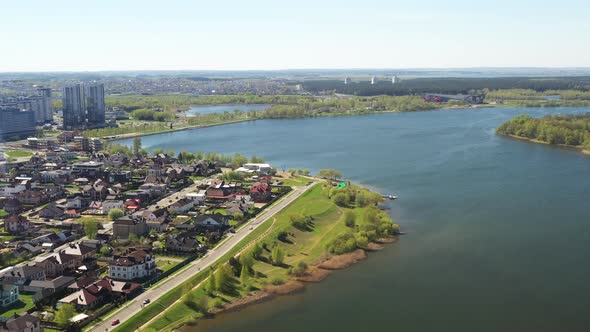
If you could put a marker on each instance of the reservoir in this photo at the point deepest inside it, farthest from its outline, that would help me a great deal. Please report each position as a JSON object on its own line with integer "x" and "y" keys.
{"x": 498, "y": 230}
{"x": 200, "y": 110}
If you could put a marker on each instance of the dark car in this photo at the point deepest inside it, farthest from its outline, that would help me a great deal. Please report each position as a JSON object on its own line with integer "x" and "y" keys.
{"x": 115, "y": 322}
{"x": 146, "y": 301}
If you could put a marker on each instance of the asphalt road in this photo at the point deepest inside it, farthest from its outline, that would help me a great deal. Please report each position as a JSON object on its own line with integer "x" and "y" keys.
{"x": 134, "y": 306}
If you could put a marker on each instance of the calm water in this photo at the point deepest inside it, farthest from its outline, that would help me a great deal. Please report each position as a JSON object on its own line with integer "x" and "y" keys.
{"x": 498, "y": 229}
{"x": 197, "y": 110}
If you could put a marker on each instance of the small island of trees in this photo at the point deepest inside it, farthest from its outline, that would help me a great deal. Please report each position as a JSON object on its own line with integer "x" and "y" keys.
{"x": 572, "y": 130}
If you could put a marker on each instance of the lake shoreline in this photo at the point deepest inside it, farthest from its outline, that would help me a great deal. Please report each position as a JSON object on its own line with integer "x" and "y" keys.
{"x": 318, "y": 272}
{"x": 533, "y": 140}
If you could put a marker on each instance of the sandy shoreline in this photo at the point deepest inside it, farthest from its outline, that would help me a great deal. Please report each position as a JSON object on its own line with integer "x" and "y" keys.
{"x": 316, "y": 273}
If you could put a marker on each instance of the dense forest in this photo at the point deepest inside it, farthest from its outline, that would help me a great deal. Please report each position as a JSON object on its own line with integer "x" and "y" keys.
{"x": 446, "y": 85}
{"x": 571, "y": 130}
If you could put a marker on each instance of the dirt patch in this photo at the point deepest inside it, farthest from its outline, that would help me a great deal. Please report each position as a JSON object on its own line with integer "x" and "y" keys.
{"x": 290, "y": 287}
{"x": 244, "y": 301}
{"x": 372, "y": 246}
{"x": 386, "y": 240}
{"x": 343, "y": 261}
{"x": 315, "y": 275}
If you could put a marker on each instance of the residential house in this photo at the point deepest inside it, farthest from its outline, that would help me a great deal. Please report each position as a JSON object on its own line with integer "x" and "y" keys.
{"x": 46, "y": 288}
{"x": 75, "y": 202}
{"x": 182, "y": 243}
{"x": 58, "y": 264}
{"x": 8, "y": 294}
{"x": 12, "y": 205}
{"x": 126, "y": 225}
{"x": 118, "y": 176}
{"x": 16, "y": 224}
{"x": 23, "y": 274}
{"x": 261, "y": 192}
{"x": 51, "y": 211}
{"x": 181, "y": 206}
{"x": 81, "y": 253}
{"x": 236, "y": 206}
{"x": 32, "y": 197}
{"x": 198, "y": 197}
{"x": 108, "y": 205}
{"x": 134, "y": 265}
{"x": 154, "y": 219}
{"x": 220, "y": 190}
{"x": 23, "y": 323}
{"x": 212, "y": 221}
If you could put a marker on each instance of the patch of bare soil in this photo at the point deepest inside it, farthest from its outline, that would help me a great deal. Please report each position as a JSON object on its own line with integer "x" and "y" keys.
{"x": 315, "y": 275}
{"x": 343, "y": 261}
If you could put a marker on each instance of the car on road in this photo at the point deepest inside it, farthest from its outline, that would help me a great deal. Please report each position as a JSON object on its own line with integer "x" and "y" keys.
{"x": 251, "y": 228}
{"x": 115, "y": 322}
{"x": 146, "y": 301}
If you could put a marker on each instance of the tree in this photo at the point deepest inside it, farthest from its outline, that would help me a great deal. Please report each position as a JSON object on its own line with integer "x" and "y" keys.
{"x": 239, "y": 160}
{"x": 104, "y": 250}
{"x": 90, "y": 228}
{"x": 244, "y": 275}
{"x": 349, "y": 218}
{"x": 340, "y": 199}
{"x": 277, "y": 256}
{"x": 136, "y": 145}
{"x": 299, "y": 269}
{"x": 256, "y": 160}
{"x": 360, "y": 199}
{"x": 64, "y": 314}
{"x": 223, "y": 279}
{"x": 330, "y": 174}
{"x": 133, "y": 238}
{"x": 256, "y": 251}
{"x": 211, "y": 283}
{"x": 115, "y": 214}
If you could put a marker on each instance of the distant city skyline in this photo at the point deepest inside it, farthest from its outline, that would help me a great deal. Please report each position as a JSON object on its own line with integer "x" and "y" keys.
{"x": 268, "y": 35}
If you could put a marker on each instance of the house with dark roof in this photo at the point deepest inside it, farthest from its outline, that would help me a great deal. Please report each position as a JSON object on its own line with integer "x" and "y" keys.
{"x": 23, "y": 323}
{"x": 52, "y": 211}
{"x": 261, "y": 192}
{"x": 57, "y": 264}
{"x": 22, "y": 275}
{"x": 211, "y": 221}
{"x": 135, "y": 264}
{"x": 182, "y": 243}
{"x": 16, "y": 224}
{"x": 126, "y": 225}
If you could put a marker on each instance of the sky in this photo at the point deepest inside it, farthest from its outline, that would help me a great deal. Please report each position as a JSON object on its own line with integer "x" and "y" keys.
{"x": 95, "y": 35}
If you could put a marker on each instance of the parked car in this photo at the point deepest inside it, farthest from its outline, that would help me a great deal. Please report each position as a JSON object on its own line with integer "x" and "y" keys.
{"x": 146, "y": 301}
{"x": 115, "y": 322}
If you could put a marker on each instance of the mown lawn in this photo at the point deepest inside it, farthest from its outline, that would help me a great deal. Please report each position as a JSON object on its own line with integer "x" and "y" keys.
{"x": 18, "y": 153}
{"x": 295, "y": 181}
{"x": 25, "y": 303}
{"x": 165, "y": 265}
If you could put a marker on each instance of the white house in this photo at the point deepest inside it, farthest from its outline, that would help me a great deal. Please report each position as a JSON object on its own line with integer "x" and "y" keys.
{"x": 108, "y": 205}
{"x": 198, "y": 197}
{"x": 134, "y": 265}
{"x": 181, "y": 206}
{"x": 255, "y": 168}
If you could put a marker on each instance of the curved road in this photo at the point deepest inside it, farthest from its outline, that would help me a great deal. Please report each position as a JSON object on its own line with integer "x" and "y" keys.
{"x": 134, "y": 306}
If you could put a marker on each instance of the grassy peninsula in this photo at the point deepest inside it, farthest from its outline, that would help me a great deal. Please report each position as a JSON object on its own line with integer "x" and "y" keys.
{"x": 568, "y": 130}
{"x": 326, "y": 228}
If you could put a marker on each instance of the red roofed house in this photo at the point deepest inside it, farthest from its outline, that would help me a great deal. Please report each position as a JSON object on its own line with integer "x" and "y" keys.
{"x": 260, "y": 192}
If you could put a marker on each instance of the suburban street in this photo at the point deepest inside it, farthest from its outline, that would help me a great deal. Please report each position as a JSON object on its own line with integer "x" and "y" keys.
{"x": 134, "y": 306}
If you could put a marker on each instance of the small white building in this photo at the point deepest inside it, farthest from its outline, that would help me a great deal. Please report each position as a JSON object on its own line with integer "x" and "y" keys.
{"x": 108, "y": 205}
{"x": 255, "y": 168}
{"x": 198, "y": 197}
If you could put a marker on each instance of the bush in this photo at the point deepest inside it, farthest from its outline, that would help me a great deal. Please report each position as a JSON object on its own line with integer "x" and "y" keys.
{"x": 298, "y": 221}
{"x": 277, "y": 281}
{"x": 115, "y": 214}
{"x": 349, "y": 218}
{"x": 340, "y": 199}
{"x": 342, "y": 244}
{"x": 299, "y": 269}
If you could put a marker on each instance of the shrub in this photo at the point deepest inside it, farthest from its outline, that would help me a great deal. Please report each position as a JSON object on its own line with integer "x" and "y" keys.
{"x": 277, "y": 281}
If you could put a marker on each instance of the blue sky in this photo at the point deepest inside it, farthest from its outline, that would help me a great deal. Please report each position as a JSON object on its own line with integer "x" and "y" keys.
{"x": 226, "y": 35}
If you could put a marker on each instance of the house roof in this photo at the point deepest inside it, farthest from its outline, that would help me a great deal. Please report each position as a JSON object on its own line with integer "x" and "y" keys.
{"x": 22, "y": 323}
{"x": 78, "y": 249}
{"x": 59, "y": 282}
{"x": 133, "y": 258}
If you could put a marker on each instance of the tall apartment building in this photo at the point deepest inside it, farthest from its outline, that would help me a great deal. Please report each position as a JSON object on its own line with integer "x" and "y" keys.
{"x": 95, "y": 108}
{"x": 45, "y": 94}
{"x": 15, "y": 122}
{"x": 74, "y": 110}
{"x": 40, "y": 104}
{"x": 83, "y": 106}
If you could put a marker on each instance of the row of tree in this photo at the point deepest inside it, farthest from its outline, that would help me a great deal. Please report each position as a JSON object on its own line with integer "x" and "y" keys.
{"x": 571, "y": 130}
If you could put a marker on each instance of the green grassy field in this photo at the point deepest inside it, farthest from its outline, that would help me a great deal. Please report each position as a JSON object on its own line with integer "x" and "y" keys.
{"x": 296, "y": 181}
{"x": 18, "y": 154}
{"x": 3, "y": 213}
{"x": 166, "y": 265}
{"x": 25, "y": 303}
